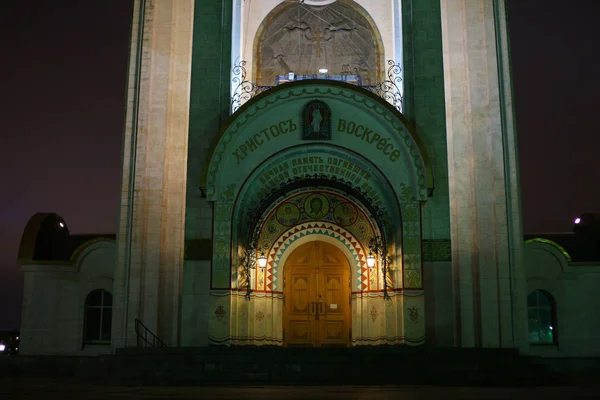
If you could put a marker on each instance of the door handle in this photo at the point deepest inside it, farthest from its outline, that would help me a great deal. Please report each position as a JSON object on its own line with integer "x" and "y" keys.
{"x": 321, "y": 311}
{"x": 313, "y": 307}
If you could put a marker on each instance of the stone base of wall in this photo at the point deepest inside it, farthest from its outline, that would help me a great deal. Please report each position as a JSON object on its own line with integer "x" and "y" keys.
{"x": 357, "y": 366}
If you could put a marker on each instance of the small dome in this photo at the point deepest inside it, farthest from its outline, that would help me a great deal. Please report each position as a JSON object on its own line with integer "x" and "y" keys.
{"x": 44, "y": 238}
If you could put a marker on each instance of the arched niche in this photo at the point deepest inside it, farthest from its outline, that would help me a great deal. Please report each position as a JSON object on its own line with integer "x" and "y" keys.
{"x": 344, "y": 221}
{"x": 339, "y": 175}
{"x": 339, "y": 36}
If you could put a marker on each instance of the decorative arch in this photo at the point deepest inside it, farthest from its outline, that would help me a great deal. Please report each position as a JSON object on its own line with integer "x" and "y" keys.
{"x": 342, "y": 239}
{"x": 260, "y": 159}
{"x": 247, "y": 134}
{"x": 346, "y": 221}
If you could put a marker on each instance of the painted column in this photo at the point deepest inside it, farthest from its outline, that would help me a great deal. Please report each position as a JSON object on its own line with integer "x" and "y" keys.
{"x": 151, "y": 226}
{"x": 485, "y": 216}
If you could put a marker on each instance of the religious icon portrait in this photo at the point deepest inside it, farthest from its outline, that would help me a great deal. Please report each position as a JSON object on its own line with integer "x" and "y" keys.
{"x": 316, "y": 120}
{"x": 345, "y": 214}
{"x": 288, "y": 214}
{"x": 316, "y": 206}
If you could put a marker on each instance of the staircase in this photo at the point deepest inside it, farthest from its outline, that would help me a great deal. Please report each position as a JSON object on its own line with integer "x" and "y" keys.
{"x": 356, "y": 366}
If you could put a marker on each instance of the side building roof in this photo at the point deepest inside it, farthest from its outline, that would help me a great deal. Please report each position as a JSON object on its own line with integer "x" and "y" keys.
{"x": 46, "y": 238}
{"x": 578, "y": 247}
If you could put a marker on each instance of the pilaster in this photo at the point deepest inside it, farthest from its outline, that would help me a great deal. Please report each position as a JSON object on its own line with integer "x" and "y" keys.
{"x": 486, "y": 229}
{"x": 148, "y": 278}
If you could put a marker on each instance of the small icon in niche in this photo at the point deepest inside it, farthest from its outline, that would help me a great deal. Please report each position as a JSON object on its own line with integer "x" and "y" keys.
{"x": 316, "y": 120}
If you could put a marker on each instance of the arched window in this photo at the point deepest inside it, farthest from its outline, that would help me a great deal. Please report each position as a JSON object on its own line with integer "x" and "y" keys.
{"x": 98, "y": 317}
{"x": 541, "y": 315}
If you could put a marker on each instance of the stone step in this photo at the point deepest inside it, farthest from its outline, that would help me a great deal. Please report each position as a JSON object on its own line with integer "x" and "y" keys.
{"x": 341, "y": 366}
{"x": 180, "y": 366}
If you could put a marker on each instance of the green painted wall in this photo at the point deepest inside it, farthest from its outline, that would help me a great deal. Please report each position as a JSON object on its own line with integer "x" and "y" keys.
{"x": 209, "y": 99}
{"x": 425, "y": 103}
{"x": 209, "y": 107}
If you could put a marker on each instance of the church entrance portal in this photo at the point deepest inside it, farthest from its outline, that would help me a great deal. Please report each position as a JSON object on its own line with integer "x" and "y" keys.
{"x": 317, "y": 294}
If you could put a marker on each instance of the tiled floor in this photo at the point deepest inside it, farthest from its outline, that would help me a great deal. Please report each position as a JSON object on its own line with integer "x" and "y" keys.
{"x": 47, "y": 389}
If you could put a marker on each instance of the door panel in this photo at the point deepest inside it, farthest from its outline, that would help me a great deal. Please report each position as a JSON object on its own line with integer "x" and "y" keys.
{"x": 317, "y": 296}
{"x": 334, "y": 321}
{"x": 301, "y": 294}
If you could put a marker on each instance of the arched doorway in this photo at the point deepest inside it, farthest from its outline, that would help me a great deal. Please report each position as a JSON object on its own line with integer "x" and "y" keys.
{"x": 317, "y": 296}
{"x": 252, "y": 175}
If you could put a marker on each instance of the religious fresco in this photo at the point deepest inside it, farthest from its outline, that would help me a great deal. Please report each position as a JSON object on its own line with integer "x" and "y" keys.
{"x": 304, "y": 39}
{"x": 316, "y": 212}
{"x": 315, "y": 206}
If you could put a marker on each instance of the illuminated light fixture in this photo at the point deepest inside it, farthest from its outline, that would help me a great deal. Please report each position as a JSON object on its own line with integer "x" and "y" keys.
{"x": 61, "y": 224}
{"x": 551, "y": 328}
{"x": 2, "y": 347}
{"x": 262, "y": 260}
{"x": 577, "y": 220}
{"x": 371, "y": 260}
{"x": 323, "y": 70}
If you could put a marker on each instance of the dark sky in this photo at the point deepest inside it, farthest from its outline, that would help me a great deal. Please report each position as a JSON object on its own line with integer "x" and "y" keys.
{"x": 62, "y": 75}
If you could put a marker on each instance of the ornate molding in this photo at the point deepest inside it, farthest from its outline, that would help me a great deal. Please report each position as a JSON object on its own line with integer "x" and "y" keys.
{"x": 407, "y": 136}
{"x": 390, "y": 89}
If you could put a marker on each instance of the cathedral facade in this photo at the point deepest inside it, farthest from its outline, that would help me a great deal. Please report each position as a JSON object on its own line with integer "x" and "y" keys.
{"x": 302, "y": 173}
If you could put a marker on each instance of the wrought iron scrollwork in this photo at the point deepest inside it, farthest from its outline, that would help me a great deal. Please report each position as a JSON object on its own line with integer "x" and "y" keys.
{"x": 244, "y": 89}
{"x": 390, "y": 89}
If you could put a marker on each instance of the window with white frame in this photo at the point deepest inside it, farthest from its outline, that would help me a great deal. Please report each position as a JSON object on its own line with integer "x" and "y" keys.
{"x": 98, "y": 317}
{"x": 541, "y": 317}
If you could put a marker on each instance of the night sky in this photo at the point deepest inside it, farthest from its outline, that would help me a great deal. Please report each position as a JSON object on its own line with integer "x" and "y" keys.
{"x": 62, "y": 73}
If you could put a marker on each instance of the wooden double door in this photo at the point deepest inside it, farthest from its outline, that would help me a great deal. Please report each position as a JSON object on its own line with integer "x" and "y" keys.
{"x": 317, "y": 296}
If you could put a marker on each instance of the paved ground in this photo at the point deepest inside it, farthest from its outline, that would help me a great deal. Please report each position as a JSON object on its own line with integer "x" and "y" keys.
{"x": 46, "y": 389}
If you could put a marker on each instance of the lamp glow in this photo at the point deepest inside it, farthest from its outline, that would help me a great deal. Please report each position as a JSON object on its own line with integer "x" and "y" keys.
{"x": 61, "y": 224}
{"x": 371, "y": 260}
{"x": 323, "y": 70}
{"x": 577, "y": 220}
{"x": 262, "y": 261}
{"x": 2, "y": 347}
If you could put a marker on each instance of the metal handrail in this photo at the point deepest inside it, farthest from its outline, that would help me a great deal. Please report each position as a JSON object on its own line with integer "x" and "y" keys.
{"x": 145, "y": 337}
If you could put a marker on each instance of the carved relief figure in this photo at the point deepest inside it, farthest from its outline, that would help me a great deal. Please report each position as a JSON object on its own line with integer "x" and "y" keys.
{"x": 304, "y": 39}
